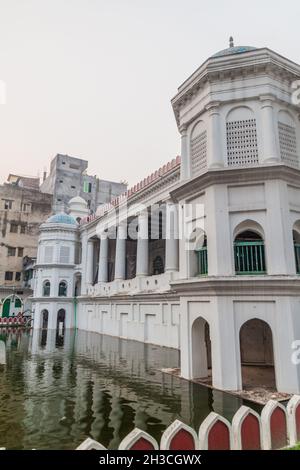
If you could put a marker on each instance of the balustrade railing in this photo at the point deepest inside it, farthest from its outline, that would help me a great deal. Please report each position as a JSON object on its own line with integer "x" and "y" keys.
{"x": 202, "y": 268}
{"x": 297, "y": 257}
{"x": 249, "y": 257}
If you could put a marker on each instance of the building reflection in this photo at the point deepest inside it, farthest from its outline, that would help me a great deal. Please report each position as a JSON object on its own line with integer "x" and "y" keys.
{"x": 80, "y": 384}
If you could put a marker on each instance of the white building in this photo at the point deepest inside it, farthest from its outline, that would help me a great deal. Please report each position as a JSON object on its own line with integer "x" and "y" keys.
{"x": 218, "y": 277}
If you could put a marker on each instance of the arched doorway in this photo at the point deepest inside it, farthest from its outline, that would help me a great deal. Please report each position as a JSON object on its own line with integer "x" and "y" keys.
{"x": 257, "y": 355}
{"x": 201, "y": 350}
{"x": 60, "y": 324}
{"x": 45, "y": 317}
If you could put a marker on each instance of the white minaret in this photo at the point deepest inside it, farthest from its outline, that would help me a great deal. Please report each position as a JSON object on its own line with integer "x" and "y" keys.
{"x": 78, "y": 208}
{"x": 54, "y": 290}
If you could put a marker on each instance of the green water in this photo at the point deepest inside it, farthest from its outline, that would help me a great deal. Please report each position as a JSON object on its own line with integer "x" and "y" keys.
{"x": 56, "y": 391}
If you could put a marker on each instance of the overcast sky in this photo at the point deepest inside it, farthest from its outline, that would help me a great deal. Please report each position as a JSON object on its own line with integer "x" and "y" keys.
{"x": 94, "y": 78}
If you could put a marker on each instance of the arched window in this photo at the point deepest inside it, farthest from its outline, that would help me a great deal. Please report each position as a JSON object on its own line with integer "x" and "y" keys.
{"x": 60, "y": 323}
{"x": 241, "y": 136}
{"x": 201, "y": 253}
{"x": 45, "y": 316}
{"x": 158, "y": 265}
{"x": 46, "y": 288}
{"x": 77, "y": 285}
{"x": 198, "y": 148}
{"x": 62, "y": 289}
{"x": 287, "y": 139}
{"x": 249, "y": 253}
{"x": 296, "y": 238}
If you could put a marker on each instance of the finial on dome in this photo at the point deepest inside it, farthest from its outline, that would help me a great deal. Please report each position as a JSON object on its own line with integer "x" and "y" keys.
{"x": 231, "y": 43}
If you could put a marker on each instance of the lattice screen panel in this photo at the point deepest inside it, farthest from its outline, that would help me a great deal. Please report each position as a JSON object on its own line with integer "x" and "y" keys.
{"x": 48, "y": 254}
{"x": 64, "y": 254}
{"x": 242, "y": 142}
{"x": 288, "y": 144}
{"x": 198, "y": 153}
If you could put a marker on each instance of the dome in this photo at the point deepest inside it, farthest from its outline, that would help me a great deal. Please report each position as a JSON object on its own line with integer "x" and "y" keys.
{"x": 78, "y": 201}
{"x": 232, "y": 49}
{"x": 61, "y": 218}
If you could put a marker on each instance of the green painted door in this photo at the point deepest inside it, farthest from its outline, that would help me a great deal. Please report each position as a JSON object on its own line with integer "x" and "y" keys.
{"x": 6, "y": 308}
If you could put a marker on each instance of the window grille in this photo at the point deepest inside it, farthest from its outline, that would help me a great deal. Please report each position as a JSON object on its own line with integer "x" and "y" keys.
{"x": 198, "y": 153}
{"x": 64, "y": 254}
{"x": 288, "y": 144}
{"x": 48, "y": 257}
{"x": 242, "y": 142}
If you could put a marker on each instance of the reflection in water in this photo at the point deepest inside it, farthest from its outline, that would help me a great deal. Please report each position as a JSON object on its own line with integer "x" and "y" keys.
{"x": 2, "y": 352}
{"x": 56, "y": 390}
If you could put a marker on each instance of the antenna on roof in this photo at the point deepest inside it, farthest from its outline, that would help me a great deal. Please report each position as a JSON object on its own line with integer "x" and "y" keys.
{"x": 231, "y": 43}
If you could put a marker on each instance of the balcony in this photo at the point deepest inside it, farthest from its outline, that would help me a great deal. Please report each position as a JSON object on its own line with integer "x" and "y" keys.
{"x": 143, "y": 284}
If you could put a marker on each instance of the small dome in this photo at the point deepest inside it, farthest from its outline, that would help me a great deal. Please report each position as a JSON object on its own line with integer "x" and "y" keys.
{"x": 61, "y": 218}
{"x": 234, "y": 50}
{"x": 78, "y": 201}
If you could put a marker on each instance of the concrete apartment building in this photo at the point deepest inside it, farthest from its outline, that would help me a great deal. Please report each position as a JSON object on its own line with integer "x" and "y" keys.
{"x": 22, "y": 209}
{"x": 68, "y": 178}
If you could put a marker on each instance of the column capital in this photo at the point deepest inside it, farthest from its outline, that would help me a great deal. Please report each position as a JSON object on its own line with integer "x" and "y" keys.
{"x": 267, "y": 100}
{"x": 122, "y": 230}
{"x": 213, "y": 107}
{"x": 143, "y": 214}
{"x": 103, "y": 235}
{"x": 183, "y": 128}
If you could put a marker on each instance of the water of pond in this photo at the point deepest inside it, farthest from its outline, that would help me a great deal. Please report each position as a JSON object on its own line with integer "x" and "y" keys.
{"x": 56, "y": 391}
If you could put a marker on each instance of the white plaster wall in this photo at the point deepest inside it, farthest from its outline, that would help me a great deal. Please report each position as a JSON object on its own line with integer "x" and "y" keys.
{"x": 150, "y": 322}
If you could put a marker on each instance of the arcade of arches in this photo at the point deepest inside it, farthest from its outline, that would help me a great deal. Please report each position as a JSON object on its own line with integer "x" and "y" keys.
{"x": 256, "y": 354}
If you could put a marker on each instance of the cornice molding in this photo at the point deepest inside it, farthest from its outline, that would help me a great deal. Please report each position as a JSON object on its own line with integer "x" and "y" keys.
{"x": 54, "y": 265}
{"x": 158, "y": 297}
{"x": 239, "y": 285}
{"x": 58, "y": 228}
{"x": 49, "y": 299}
{"x": 244, "y": 65}
{"x": 235, "y": 176}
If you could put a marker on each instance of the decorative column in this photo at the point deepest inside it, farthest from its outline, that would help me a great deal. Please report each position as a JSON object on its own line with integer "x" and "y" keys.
{"x": 83, "y": 261}
{"x": 172, "y": 248}
{"x": 269, "y": 132}
{"x": 120, "y": 264}
{"x": 142, "y": 255}
{"x": 215, "y": 157}
{"x": 103, "y": 258}
{"x": 90, "y": 262}
{"x": 185, "y": 158}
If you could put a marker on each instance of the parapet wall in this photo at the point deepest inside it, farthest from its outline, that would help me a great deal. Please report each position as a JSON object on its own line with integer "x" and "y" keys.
{"x": 276, "y": 427}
